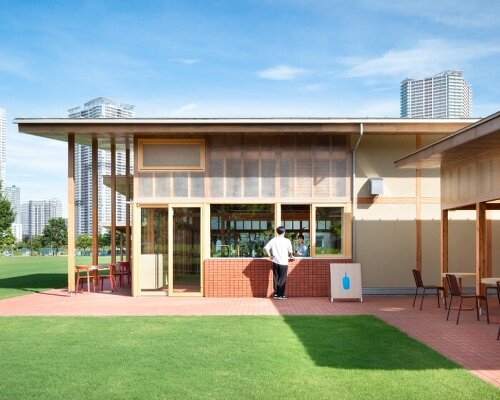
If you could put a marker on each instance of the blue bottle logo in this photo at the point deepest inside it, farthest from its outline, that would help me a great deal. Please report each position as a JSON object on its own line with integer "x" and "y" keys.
{"x": 346, "y": 282}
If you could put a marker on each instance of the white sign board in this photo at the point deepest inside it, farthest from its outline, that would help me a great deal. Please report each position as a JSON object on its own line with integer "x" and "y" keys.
{"x": 345, "y": 281}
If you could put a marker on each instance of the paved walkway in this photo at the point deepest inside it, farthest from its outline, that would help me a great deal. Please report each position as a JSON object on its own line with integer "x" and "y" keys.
{"x": 471, "y": 344}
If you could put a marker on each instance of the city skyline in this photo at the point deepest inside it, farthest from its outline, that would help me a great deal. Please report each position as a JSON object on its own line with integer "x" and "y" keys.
{"x": 98, "y": 108}
{"x": 250, "y": 58}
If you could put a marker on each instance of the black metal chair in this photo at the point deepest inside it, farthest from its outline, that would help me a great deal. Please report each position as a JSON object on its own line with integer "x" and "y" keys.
{"x": 456, "y": 291}
{"x": 496, "y": 289}
{"x": 420, "y": 284}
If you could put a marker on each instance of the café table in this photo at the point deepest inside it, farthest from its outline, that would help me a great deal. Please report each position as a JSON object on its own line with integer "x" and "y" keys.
{"x": 491, "y": 283}
{"x": 459, "y": 276}
{"x": 91, "y": 273}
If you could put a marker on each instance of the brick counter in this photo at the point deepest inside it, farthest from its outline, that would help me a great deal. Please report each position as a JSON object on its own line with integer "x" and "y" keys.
{"x": 247, "y": 277}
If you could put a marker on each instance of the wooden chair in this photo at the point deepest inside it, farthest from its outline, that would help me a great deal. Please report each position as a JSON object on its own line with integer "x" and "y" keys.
{"x": 108, "y": 274}
{"x": 456, "y": 291}
{"x": 85, "y": 273}
{"x": 420, "y": 285}
{"x": 124, "y": 271}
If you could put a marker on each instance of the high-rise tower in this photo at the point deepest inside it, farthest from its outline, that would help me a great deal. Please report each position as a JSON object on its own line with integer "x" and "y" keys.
{"x": 3, "y": 142}
{"x": 445, "y": 95}
{"x": 100, "y": 107}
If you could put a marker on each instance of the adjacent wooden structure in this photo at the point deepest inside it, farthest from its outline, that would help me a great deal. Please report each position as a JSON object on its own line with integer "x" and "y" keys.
{"x": 470, "y": 169}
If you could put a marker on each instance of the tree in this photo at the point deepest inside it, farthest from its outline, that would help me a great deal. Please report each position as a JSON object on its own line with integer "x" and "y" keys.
{"x": 7, "y": 217}
{"x": 55, "y": 233}
{"x": 83, "y": 242}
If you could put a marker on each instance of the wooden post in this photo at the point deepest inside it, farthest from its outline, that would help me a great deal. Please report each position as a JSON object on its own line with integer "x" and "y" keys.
{"x": 480, "y": 246}
{"x": 113, "y": 201}
{"x": 444, "y": 246}
{"x": 127, "y": 206}
{"x": 71, "y": 212}
{"x": 489, "y": 247}
{"x": 418, "y": 220}
{"x": 95, "y": 204}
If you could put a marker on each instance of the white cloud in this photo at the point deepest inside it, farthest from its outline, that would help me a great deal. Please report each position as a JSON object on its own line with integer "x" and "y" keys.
{"x": 314, "y": 87}
{"x": 281, "y": 73}
{"x": 428, "y": 57}
{"x": 185, "y": 109}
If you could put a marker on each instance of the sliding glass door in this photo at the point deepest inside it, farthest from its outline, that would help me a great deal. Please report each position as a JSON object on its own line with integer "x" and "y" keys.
{"x": 170, "y": 260}
{"x": 186, "y": 265}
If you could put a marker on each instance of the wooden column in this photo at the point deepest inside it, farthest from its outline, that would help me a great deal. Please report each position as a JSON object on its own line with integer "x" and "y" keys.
{"x": 418, "y": 220}
{"x": 127, "y": 207}
{"x": 480, "y": 246}
{"x": 71, "y": 212}
{"x": 444, "y": 245}
{"x": 489, "y": 247}
{"x": 121, "y": 245}
{"x": 113, "y": 201}
{"x": 95, "y": 204}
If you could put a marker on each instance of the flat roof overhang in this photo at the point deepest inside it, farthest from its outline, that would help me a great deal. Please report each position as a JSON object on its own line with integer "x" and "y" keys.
{"x": 123, "y": 130}
{"x": 480, "y": 137}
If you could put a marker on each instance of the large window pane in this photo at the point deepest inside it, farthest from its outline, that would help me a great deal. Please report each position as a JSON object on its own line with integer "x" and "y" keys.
{"x": 328, "y": 230}
{"x": 295, "y": 218}
{"x": 240, "y": 230}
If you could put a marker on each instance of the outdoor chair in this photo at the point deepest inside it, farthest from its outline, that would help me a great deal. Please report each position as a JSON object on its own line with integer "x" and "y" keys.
{"x": 456, "y": 291}
{"x": 420, "y": 285}
{"x": 123, "y": 271}
{"x": 496, "y": 289}
{"x": 84, "y": 273}
{"x": 108, "y": 273}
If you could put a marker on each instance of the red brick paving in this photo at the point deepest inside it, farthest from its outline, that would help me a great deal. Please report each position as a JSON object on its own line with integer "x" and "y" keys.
{"x": 471, "y": 344}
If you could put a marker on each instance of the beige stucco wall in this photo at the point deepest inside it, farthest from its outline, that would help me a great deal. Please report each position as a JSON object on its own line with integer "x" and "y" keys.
{"x": 386, "y": 228}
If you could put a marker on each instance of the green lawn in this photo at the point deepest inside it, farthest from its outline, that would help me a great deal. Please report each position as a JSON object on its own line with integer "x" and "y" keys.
{"x": 25, "y": 275}
{"x": 224, "y": 358}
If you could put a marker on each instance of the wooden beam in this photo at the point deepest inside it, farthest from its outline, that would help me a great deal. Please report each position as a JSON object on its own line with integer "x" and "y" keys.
{"x": 418, "y": 220}
{"x": 95, "y": 204}
{"x": 480, "y": 246}
{"x": 113, "y": 201}
{"x": 489, "y": 247}
{"x": 444, "y": 245}
{"x": 127, "y": 206}
{"x": 71, "y": 213}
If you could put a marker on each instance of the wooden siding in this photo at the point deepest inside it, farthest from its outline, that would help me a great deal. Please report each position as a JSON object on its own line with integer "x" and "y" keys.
{"x": 471, "y": 181}
{"x": 259, "y": 168}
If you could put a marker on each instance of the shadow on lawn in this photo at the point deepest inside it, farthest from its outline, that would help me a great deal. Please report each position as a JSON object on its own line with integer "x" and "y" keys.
{"x": 362, "y": 342}
{"x": 35, "y": 283}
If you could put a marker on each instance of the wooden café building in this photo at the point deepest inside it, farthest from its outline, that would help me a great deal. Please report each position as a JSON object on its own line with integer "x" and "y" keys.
{"x": 205, "y": 195}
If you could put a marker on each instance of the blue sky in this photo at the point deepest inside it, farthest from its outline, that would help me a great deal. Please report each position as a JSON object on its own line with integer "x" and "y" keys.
{"x": 210, "y": 58}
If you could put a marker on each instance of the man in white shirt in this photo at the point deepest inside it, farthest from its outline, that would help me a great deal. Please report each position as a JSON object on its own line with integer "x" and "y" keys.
{"x": 279, "y": 250}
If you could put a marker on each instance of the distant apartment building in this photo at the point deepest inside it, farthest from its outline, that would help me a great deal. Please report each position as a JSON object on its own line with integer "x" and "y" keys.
{"x": 100, "y": 107}
{"x": 13, "y": 194}
{"x": 37, "y": 213}
{"x": 445, "y": 95}
{"x": 3, "y": 143}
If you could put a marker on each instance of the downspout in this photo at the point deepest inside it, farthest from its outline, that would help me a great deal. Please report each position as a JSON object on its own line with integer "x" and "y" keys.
{"x": 354, "y": 197}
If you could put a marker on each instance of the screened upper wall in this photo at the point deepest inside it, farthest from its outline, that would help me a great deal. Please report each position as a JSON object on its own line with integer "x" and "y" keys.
{"x": 237, "y": 167}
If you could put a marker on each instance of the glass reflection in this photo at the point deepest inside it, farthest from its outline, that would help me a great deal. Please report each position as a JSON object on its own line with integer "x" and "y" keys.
{"x": 240, "y": 230}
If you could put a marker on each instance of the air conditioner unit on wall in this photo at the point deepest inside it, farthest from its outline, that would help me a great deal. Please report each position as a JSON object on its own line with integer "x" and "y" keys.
{"x": 376, "y": 186}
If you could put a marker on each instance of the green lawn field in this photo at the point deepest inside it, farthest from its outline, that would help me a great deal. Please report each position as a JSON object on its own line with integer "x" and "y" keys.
{"x": 337, "y": 358}
{"x": 24, "y": 275}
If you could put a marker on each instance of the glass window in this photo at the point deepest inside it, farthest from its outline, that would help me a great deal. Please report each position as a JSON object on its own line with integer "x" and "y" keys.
{"x": 328, "y": 230}
{"x": 241, "y": 230}
{"x": 295, "y": 219}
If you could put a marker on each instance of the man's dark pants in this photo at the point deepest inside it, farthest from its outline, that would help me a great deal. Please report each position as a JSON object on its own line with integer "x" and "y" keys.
{"x": 279, "y": 279}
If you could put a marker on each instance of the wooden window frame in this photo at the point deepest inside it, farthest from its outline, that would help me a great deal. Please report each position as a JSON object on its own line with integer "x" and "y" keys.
{"x": 197, "y": 168}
